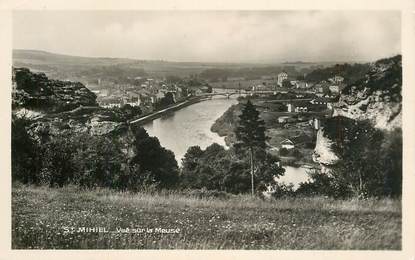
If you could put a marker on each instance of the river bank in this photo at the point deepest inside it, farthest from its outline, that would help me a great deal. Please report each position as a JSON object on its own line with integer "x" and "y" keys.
{"x": 179, "y": 129}
{"x": 298, "y": 131}
{"x": 147, "y": 118}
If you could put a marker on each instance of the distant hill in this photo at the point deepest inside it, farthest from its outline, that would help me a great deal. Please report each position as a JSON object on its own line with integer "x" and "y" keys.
{"x": 43, "y": 57}
{"x": 61, "y": 66}
{"x": 88, "y": 69}
{"x": 351, "y": 72}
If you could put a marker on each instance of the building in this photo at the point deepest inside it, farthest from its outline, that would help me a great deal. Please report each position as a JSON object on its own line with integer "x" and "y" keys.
{"x": 290, "y": 107}
{"x": 281, "y": 77}
{"x": 334, "y": 89}
{"x": 338, "y": 79}
{"x": 319, "y": 101}
{"x": 110, "y": 104}
{"x": 134, "y": 101}
{"x": 160, "y": 94}
{"x": 287, "y": 144}
{"x": 283, "y": 119}
{"x": 315, "y": 123}
{"x": 301, "y": 84}
{"x": 261, "y": 87}
{"x": 322, "y": 101}
{"x": 297, "y": 107}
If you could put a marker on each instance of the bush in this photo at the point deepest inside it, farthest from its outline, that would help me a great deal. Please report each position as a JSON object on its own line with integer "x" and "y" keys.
{"x": 284, "y": 152}
{"x": 25, "y": 153}
{"x": 226, "y": 170}
{"x": 207, "y": 194}
{"x": 90, "y": 161}
{"x": 282, "y": 190}
{"x": 154, "y": 160}
{"x": 322, "y": 185}
{"x": 370, "y": 159}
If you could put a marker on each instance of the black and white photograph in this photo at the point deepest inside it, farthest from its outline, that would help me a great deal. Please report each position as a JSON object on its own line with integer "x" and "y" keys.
{"x": 206, "y": 129}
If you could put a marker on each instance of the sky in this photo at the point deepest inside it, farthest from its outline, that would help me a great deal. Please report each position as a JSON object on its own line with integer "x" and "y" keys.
{"x": 212, "y": 36}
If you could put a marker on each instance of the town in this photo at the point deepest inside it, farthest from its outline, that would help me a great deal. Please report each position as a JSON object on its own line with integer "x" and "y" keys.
{"x": 152, "y": 94}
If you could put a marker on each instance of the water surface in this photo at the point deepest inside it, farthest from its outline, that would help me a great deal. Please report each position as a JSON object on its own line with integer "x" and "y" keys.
{"x": 189, "y": 126}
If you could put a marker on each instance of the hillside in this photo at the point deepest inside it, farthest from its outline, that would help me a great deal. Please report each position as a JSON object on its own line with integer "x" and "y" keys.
{"x": 368, "y": 110}
{"x": 45, "y": 218}
{"x": 61, "y": 106}
{"x": 77, "y": 68}
{"x": 351, "y": 72}
{"x": 377, "y": 97}
{"x": 38, "y": 92}
{"x": 89, "y": 69}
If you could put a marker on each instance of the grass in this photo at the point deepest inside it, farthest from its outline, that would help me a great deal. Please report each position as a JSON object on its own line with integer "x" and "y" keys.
{"x": 40, "y": 215}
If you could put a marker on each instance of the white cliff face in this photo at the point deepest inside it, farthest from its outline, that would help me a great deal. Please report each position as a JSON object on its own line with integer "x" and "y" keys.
{"x": 323, "y": 153}
{"x": 376, "y": 98}
{"x": 98, "y": 127}
{"x": 376, "y": 108}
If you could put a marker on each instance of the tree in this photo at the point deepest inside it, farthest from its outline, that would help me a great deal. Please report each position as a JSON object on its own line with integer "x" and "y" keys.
{"x": 171, "y": 79}
{"x": 190, "y": 164}
{"x": 58, "y": 165}
{"x": 130, "y": 111}
{"x": 286, "y": 84}
{"x": 26, "y": 161}
{"x": 220, "y": 169}
{"x": 166, "y": 101}
{"x": 250, "y": 134}
{"x": 154, "y": 159}
{"x": 209, "y": 89}
{"x": 370, "y": 160}
{"x": 98, "y": 161}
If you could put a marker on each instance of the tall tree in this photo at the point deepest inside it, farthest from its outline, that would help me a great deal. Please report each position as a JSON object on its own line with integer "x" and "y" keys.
{"x": 250, "y": 134}
{"x": 154, "y": 159}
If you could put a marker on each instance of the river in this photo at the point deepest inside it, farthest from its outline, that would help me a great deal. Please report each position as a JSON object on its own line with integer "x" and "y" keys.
{"x": 294, "y": 175}
{"x": 189, "y": 126}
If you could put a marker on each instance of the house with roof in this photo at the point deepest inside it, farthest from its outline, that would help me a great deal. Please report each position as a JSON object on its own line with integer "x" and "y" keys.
{"x": 297, "y": 107}
{"x": 301, "y": 84}
{"x": 283, "y": 119}
{"x": 336, "y": 79}
{"x": 287, "y": 144}
{"x": 261, "y": 87}
{"x": 110, "y": 102}
{"x": 319, "y": 101}
{"x": 334, "y": 88}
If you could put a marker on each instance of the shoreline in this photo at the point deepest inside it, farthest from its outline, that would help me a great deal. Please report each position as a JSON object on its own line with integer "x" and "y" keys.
{"x": 155, "y": 115}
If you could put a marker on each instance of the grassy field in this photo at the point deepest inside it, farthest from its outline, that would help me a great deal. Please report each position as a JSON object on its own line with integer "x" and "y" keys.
{"x": 48, "y": 218}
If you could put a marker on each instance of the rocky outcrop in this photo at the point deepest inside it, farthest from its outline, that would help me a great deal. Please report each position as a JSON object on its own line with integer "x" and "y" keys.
{"x": 377, "y": 97}
{"x": 61, "y": 107}
{"x": 36, "y": 92}
{"x": 323, "y": 152}
{"x": 374, "y": 101}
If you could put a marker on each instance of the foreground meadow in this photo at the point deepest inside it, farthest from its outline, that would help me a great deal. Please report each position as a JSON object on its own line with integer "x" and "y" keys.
{"x": 69, "y": 218}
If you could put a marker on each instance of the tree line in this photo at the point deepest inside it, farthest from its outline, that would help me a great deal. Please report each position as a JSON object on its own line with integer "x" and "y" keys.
{"x": 370, "y": 165}
{"x": 91, "y": 161}
{"x": 101, "y": 161}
